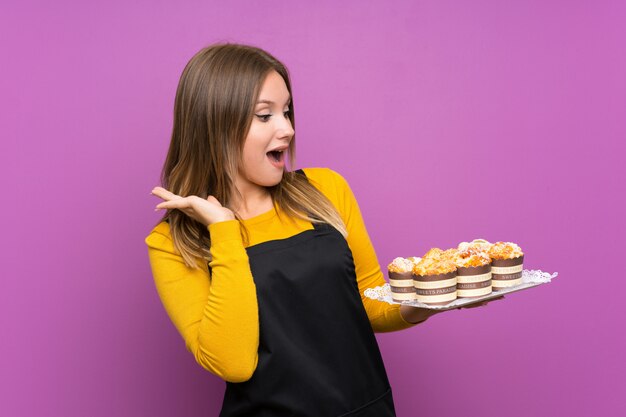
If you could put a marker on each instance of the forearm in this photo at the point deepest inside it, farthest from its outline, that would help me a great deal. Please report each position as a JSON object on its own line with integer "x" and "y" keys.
{"x": 228, "y": 335}
{"x": 217, "y": 316}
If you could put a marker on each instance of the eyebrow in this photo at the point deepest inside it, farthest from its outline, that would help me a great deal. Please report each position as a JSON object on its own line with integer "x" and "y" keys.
{"x": 271, "y": 102}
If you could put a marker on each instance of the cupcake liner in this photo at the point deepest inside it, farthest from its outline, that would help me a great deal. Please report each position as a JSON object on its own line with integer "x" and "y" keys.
{"x": 438, "y": 277}
{"x": 437, "y": 300}
{"x": 399, "y": 297}
{"x": 401, "y": 284}
{"x": 429, "y": 285}
{"x": 404, "y": 279}
{"x": 435, "y": 289}
{"x": 400, "y": 275}
{"x": 506, "y": 272}
{"x": 474, "y": 281}
{"x": 402, "y": 289}
{"x": 475, "y": 289}
{"x": 473, "y": 270}
{"x": 473, "y": 285}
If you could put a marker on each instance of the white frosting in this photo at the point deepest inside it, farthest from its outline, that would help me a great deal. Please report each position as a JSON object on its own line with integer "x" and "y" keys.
{"x": 463, "y": 246}
{"x": 401, "y": 265}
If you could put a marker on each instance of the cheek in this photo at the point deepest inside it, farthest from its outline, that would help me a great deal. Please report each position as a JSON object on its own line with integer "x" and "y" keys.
{"x": 253, "y": 155}
{"x": 255, "y": 145}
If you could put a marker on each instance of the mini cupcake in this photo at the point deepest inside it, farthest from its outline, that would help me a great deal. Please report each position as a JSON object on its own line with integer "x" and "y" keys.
{"x": 507, "y": 261}
{"x": 473, "y": 273}
{"x": 434, "y": 278}
{"x": 401, "y": 279}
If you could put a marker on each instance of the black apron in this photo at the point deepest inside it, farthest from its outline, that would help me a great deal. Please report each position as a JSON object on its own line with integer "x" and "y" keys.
{"x": 317, "y": 352}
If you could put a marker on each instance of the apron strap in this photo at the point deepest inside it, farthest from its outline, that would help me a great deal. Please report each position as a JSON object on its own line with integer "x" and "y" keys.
{"x": 316, "y": 226}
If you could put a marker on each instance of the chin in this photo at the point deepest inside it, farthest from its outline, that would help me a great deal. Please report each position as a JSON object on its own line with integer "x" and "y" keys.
{"x": 271, "y": 180}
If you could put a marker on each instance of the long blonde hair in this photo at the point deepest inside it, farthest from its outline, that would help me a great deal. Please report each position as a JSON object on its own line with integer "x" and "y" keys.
{"x": 213, "y": 111}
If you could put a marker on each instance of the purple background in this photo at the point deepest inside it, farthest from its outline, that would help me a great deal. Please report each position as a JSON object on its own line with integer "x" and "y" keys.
{"x": 451, "y": 120}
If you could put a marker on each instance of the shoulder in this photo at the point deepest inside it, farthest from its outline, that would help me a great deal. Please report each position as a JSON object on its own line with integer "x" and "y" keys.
{"x": 159, "y": 236}
{"x": 326, "y": 180}
{"x": 333, "y": 185}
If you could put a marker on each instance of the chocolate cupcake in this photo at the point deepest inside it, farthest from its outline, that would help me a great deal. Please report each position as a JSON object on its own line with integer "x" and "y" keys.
{"x": 507, "y": 264}
{"x": 401, "y": 279}
{"x": 434, "y": 278}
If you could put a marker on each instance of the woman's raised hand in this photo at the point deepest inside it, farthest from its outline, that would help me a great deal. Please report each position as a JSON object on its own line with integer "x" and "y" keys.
{"x": 207, "y": 211}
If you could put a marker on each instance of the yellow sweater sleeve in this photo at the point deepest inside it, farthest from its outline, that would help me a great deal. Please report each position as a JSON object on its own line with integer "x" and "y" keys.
{"x": 383, "y": 317}
{"x": 216, "y": 315}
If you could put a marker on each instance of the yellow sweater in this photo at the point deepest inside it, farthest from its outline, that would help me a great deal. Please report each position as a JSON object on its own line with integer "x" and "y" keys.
{"x": 217, "y": 315}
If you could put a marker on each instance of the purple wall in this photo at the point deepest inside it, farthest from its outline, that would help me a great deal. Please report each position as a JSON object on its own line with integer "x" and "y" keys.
{"x": 451, "y": 120}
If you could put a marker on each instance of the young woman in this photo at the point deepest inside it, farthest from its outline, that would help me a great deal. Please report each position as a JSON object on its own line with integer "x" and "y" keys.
{"x": 262, "y": 270}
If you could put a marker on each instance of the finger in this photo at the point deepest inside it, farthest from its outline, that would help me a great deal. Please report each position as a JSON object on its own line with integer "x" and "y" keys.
{"x": 159, "y": 190}
{"x": 164, "y": 194}
{"x": 178, "y": 203}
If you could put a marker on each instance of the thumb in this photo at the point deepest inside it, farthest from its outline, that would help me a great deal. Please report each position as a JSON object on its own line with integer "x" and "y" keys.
{"x": 213, "y": 200}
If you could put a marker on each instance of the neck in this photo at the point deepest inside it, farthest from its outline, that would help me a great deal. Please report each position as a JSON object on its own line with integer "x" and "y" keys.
{"x": 251, "y": 202}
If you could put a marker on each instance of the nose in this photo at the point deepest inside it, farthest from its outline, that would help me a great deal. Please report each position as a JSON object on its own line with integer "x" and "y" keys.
{"x": 285, "y": 130}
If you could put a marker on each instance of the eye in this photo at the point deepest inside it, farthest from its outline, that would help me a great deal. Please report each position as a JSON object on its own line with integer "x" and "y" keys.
{"x": 264, "y": 117}
{"x": 286, "y": 113}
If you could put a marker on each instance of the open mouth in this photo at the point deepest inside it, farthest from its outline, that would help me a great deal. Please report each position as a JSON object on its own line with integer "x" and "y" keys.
{"x": 277, "y": 156}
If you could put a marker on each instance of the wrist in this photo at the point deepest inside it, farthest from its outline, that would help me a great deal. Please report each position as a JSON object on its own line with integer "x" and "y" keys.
{"x": 222, "y": 219}
{"x": 224, "y": 231}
